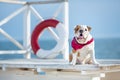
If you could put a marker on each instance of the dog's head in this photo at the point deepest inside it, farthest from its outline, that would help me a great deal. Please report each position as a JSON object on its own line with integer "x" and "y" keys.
{"x": 82, "y": 32}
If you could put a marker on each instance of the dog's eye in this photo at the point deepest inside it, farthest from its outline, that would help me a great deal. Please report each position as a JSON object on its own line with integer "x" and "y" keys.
{"x": 85, "y": 29}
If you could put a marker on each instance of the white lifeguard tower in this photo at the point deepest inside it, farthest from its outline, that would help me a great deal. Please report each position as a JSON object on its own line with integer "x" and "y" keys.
{"x": 83, "y": 72}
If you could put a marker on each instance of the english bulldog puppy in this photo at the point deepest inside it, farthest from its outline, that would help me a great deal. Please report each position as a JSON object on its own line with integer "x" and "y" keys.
{"x": 82, "y": 46}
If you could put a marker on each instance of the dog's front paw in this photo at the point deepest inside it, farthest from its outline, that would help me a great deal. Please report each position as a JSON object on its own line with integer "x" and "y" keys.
{"x": 95, "y": 62}
{"x": 74, "y": 59}
{"x": 82, "y": 63}
{"x": 73, "y": 62}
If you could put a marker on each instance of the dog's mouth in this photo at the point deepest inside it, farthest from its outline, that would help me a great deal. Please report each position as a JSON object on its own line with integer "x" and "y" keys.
{"x": 80, "y": 36}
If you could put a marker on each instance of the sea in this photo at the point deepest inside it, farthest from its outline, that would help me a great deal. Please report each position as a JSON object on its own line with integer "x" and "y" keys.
{"x": 105, "y": 48}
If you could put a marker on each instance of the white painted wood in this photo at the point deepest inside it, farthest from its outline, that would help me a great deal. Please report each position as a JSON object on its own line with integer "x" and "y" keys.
{"x": 66, "y": 22}
{"x": 32, "y": 2}
{"x": 27, "y": 34}
{"x": 57, "y": 12}
{"x": 45, "y": 2}
{"x": 13, "y": 1}
{"x": 34, "y": 11}
{"x": 12, "y": 15}
{"x": 11, "y": 39}
{"x": 49, "y": 67}
{"x": 13, "y": 51}
{"x": 109, "y": 61}
{"x": 54, "y": 64}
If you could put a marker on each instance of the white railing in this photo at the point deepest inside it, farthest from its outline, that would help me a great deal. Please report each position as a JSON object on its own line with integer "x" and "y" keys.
{"x": 29, "y": 9}
{"x": 38, "y": 64}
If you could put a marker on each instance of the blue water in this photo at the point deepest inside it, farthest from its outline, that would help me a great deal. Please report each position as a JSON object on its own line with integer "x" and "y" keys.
{"x": 104, "y": 48}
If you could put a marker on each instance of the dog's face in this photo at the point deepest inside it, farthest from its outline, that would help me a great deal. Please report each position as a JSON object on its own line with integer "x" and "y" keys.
{"x": 82, "y": 32}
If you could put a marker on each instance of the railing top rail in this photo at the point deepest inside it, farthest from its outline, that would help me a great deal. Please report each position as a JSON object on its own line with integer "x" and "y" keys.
{"x": 13, "y": 1}
{"x": 32, "y": 2}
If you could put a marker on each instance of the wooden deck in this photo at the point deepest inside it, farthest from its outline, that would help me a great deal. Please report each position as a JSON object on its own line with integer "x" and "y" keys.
{"x": 56, "y": 64}
{"x": 49, "y": 67}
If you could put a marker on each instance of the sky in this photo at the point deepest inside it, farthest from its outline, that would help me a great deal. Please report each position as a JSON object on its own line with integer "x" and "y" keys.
{"x": 102, "y": 15}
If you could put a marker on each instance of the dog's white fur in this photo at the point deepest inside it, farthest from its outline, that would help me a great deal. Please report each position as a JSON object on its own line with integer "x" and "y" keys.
{"x": 87, "y": 53}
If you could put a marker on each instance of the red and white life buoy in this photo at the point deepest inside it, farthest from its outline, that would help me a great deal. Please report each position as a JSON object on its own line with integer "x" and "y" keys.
{"x": 60, "y": 28}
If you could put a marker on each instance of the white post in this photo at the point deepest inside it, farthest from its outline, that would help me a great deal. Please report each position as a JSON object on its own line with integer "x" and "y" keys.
{"x": 66, "y": 22}
{"x": 26, "y": 34}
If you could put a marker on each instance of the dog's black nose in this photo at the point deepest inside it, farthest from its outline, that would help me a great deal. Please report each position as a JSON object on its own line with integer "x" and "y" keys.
{"x": 81, "y": 35}
{"x": 81, "y": 31}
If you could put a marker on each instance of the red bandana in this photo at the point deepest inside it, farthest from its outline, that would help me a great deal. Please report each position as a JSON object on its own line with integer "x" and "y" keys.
{"x": 76, "y": 45}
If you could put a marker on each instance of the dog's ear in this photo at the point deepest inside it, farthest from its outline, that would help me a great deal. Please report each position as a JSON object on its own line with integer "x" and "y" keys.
{"x": 77, "y": 28}
{"x": 89, "y": 28}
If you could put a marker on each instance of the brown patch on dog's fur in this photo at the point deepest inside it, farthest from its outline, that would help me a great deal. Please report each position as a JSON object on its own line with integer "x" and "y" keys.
{"x": 77, "y": 28}
{"x": 89, "y": 28}
{"x": 78, "y": 54}
{"x": 73, "y": 51}
{"x": 70, "y": 57}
